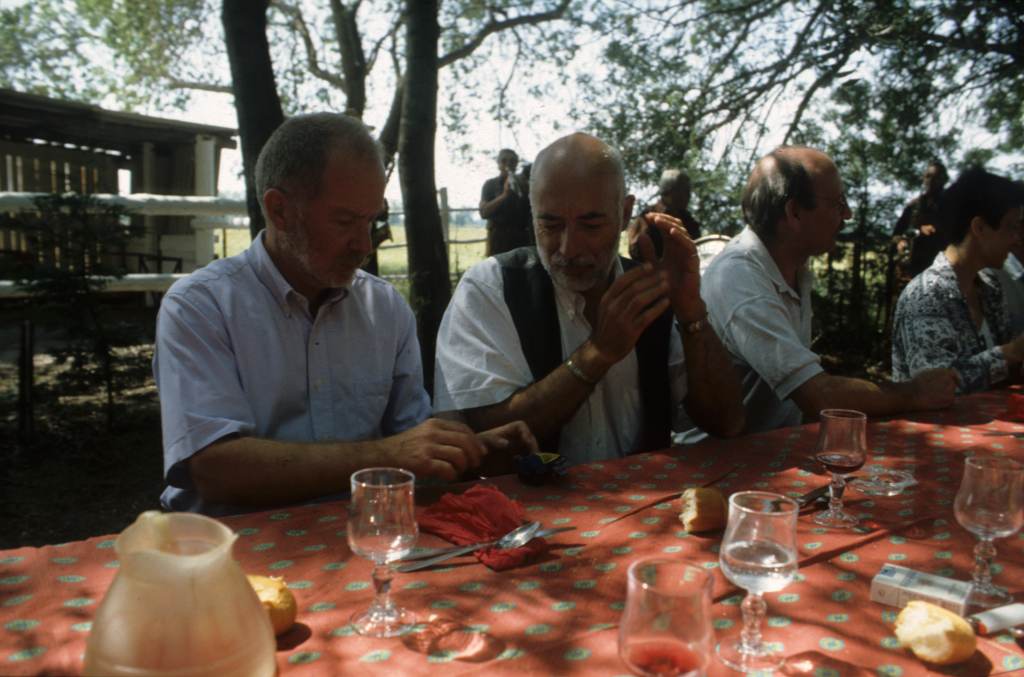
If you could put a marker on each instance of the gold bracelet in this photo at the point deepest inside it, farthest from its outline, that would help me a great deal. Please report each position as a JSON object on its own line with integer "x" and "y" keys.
{"x": 696, "y": 325}
{"x": 575, "y": 370}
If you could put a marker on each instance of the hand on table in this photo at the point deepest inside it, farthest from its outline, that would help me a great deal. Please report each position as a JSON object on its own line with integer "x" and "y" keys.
{"x": 933, "y": 388}
{"x": 436, "y": 448}
{"x": 512, "y": 439}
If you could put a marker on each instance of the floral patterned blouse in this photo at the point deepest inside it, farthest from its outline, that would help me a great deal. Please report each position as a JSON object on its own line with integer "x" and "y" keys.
{"x": 933, "y": 328}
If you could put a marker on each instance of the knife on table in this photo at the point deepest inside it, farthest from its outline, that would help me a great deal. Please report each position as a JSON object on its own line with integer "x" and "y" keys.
{"x": 433, "y": 552}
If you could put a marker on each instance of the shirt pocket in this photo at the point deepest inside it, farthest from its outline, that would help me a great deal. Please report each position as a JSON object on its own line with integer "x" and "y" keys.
{"x": 360, "y": 407}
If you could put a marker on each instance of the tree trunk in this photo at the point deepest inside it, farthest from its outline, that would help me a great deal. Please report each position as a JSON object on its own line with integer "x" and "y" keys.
{"x": 252, "y": 78}
{"x": 430, "y": 287}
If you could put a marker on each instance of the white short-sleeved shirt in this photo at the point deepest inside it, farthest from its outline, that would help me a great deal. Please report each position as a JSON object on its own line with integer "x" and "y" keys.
{"x": 480, "y": 362}
{"x": 237, "y": 352}
{"x": 765, "y": 325}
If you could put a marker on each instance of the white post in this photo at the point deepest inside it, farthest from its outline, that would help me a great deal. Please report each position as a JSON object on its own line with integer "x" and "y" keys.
{"x": 442, "y": 195}
{"x": 206, "y": 184}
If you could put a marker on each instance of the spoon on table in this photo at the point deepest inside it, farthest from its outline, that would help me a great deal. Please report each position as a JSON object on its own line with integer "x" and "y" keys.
{"x": 513, "y": 539}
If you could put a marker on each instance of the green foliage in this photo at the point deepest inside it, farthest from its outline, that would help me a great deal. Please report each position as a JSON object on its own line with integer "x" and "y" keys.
{"x": 74, "y": 246}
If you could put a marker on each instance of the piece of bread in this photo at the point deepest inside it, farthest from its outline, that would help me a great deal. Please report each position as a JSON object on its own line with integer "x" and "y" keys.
{"x": 934, "y": 634}
{"x": 277, "y": 599}
{"x": 703, "y": 509}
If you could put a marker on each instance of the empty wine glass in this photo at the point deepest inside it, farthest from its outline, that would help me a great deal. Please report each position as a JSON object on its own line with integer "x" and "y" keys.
{"x": 666, "y": 626}
{"x": 989, "y": 504}
{"x": 382, "y": 527}
{"x": 842, "y": 449}
{"x": 759, "y": 555}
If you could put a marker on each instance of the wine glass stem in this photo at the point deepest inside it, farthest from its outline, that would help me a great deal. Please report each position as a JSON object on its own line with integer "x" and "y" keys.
{"x": 984, "y": 553}
{"x": 382, "y": 575}
{"x": 835, "y": 493}
{"x": 754, "y": 609}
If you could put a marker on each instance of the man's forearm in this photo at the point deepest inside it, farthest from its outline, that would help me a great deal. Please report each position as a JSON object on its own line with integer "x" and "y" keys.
{"x": 546, "y": 405}
{"x": 825, "y": 391}
{"x": 254, "y": 472}
{"x": 714, "y": 396}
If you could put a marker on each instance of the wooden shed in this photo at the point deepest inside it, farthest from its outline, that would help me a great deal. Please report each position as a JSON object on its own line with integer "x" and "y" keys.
{"x": 51, "y": 145}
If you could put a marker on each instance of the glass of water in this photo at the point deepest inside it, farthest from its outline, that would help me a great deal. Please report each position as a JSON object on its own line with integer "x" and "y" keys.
{"x": 382, "y": 528}
{"x": 989, "y": 504}
{"x": 759, "y": 555}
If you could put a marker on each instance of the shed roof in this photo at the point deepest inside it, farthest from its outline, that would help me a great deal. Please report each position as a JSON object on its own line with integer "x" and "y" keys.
{"x": 30, "y": 116}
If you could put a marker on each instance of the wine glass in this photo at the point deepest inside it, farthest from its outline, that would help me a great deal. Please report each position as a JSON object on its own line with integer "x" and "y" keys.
{"x": 666, "y": 626}
{"x": 382, "y": 527}
{"x": 989, "y": 504}
{"x": 842, "y": 449}
{"x": 759, "y": 555}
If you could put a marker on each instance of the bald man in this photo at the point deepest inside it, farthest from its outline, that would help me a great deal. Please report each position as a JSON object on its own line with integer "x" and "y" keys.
{"x": 599, "y": 355}
{"x": 758, "y": 294}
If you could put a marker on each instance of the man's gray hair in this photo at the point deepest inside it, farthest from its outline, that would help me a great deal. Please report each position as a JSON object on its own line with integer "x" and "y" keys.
{"x": 294, "y": 157}
{"x": 777, "y": 178}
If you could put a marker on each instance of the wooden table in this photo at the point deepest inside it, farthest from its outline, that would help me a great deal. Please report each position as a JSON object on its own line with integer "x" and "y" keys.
{"x": 559, "y": 615}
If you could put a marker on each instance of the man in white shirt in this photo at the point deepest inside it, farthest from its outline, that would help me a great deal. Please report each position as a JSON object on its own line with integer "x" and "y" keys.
{"x": 1011, "y": 278}
{"x": 562, "y": 336}
{"x": 284, "y": 369}
{"x": 758, "y": 293}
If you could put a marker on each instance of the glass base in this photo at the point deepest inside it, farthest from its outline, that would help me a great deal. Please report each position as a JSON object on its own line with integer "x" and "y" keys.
{"x": 748, "y": 659}
{"x": 988, "y": 596}
{"x": 389, "y": 621}
{"x": 836, "y": 519}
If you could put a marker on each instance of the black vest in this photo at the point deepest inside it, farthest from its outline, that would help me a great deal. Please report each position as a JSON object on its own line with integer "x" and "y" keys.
{"x": 530, "y": 297}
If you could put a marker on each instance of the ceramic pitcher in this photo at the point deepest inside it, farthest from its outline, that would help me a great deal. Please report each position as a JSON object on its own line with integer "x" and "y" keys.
{"x": 179, "y": 605}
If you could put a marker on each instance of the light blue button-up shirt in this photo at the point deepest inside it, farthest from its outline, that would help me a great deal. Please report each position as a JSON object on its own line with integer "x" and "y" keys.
{"x": 238, "y": 353}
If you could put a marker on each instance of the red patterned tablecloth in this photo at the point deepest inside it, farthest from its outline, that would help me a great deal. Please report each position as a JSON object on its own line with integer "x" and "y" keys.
{"x": 559, "y": 615}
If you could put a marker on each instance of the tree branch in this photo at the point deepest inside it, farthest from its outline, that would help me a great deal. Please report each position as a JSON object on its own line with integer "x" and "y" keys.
{"x": 177, "y": 83}
{"x": 298, "y": 24}
{"x": 493, "y": 26}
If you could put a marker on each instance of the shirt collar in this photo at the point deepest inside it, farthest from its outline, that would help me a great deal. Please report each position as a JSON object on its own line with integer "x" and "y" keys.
{"x": 1013, "y": 266}
{"x": 572, "y": 302}
{"x": 752, "y": 243}
{"x": 272, "y": 279}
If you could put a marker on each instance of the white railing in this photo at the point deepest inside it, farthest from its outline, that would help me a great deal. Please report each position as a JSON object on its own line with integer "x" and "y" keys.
{"x": 209, "y": 213}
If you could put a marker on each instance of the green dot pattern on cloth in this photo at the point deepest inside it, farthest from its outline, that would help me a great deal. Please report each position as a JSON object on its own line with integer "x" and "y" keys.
{"x": 295, "y": 532}
{"x": 20, "y": 625}
{"x": 315, "y": 548}
{"x": 501, "y": 607}
{"x": 282, "y": 564}
{"x": 27, "y": 654}
{"x": 778, "y": 621}
{"x": 443, "y": 604}
{"x": 82, "y": 627}
{"x": 563, "y": 606}
{"x": 11, "y": 560}
{"x": 356, "y": 586}
{"x": 831, "y": 643}
{"x": 849, "y": 557}
{"x": 260, "y": 547}
{"x": 441, "y": 657}
{"x": 789, "y": 598}
{"x": 889, "y": 670}
{"x": 841, "y": 595}
{"x": 511, "y": 654}
{"x": 471, "y": 587}
{"x": 528, "y": 585}
{"x": 70, "y": 579}
{"x": 105, "y": 545}
{"x": 278, "y": 516}
{"x": 723, "y": 623}
{"x": 300, "y": 585}
{"x": 622, "y": 550}
{"x": 376, "y": 656}
{"x": 343, "y": 631}
{"x": 890, "y": 643}
{"x": 79, "y": 602}
{"x": 16, "y": 600}
{"x": 1013, "y": 662}
{"x": 549, "y": 567}
{"x": 248, "y": 531}
{"x": 538, "y": 629}
{"x": 577, "y": 654}
{"x": 303, "y": 657}
{"x": 837, "y": 618}
{"x": 585, "y": 585}
{"x": 322, "y": 606}
{"x": 846, "y": 576}
{"x": 13, "y": 580}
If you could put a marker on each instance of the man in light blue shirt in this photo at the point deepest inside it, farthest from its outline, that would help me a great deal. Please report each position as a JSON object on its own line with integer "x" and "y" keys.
{"x": 286, "y": 368}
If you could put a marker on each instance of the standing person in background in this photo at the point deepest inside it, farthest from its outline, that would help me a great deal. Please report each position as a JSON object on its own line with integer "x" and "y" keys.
{"x": 921, "y": 217}
{"x": 674, "y": 193}
{"x": 505, "y": 205}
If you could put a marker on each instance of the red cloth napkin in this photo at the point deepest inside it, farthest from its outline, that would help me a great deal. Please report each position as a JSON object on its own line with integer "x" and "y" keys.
{"x": 483, "y": 513}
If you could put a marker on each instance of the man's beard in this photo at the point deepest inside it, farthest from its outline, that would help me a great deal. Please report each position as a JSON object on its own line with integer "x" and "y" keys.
{"x": 296, "y": 244}
{"x": 556, "y": 266}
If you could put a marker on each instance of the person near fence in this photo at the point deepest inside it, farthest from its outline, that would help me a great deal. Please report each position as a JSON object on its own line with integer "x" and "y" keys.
{"x": 920, "y": 219}
{"x": 285, "y": 368}
{"x": 674, "y": 192}
{"x": 758, "y": 293}
{"x": 505, "y": 205}
{"x": 953, "y": 314}
{"x": 597, "y": 354}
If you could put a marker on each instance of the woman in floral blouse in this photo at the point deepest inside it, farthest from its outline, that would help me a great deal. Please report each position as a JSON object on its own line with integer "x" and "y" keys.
{"x": 952, "y": 314}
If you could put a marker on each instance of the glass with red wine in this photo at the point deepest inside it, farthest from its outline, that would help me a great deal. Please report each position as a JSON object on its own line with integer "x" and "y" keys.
{"x": 666, "y": 626}
{"x": 842, "y": 450}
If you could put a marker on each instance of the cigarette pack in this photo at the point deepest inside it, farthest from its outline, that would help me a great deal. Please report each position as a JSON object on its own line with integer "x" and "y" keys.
{"x": 896, "y": 585}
